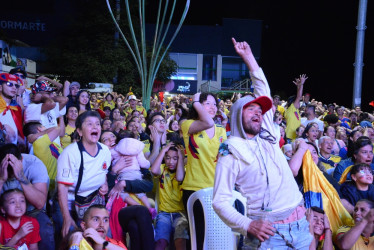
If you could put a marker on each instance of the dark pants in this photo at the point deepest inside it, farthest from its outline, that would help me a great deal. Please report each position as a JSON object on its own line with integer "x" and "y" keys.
{"x": 199, "y": 218}
{"x": 137, "y": 221}
{"x": 46, "y": 229}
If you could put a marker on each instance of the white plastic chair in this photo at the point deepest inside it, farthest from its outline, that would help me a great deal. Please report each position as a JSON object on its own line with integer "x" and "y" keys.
{"x": 217, "y": 234}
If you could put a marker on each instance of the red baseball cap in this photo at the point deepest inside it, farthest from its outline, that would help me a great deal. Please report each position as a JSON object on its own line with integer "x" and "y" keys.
{"x": 265, "y": 102}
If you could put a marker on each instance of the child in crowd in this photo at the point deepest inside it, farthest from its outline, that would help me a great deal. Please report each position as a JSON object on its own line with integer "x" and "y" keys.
{"x": 287, "y": 151}
{"x": 319, "y": 227}
{"x": 171, "y": 216}
{"x": 129, "y": 146}
{"x": 17, "y": 229}
{"x": 361, "y": 186}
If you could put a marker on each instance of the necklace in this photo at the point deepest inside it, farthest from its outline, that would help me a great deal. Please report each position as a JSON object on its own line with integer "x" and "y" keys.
{"x": 365, "y": 239}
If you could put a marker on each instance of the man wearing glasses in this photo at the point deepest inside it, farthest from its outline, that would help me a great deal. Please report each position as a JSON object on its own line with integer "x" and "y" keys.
{"x": 23, "y": 92}
{"x": 10, "y": 110}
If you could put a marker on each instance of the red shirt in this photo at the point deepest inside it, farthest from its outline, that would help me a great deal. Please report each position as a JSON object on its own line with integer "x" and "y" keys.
{"x": 115, "y": 242}
{"x": 7, "y": 232}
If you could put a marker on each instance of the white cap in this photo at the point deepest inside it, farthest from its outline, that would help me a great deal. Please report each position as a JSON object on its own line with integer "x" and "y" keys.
{"x": 132, "y": 97}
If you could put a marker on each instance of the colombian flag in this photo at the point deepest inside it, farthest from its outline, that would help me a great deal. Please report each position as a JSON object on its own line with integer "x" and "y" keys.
{"x": 16, "y": 112}
{"x": 318, "y": 192}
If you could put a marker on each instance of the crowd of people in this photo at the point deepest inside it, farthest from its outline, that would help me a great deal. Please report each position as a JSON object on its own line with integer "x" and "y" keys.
{"x": 83, "y": 170}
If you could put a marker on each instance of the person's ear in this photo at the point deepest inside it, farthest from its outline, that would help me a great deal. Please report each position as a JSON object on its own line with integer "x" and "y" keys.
{"x": 2, "y": 210}
{"x": 80, "y": 132}
{"x": 83, "y": 225}
{"x": 353, "y": 176}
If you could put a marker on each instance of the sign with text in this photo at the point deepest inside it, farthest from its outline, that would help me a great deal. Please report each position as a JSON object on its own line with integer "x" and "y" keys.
{"x": 188, "y": 87}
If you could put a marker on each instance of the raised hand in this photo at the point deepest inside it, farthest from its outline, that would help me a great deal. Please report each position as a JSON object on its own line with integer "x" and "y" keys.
{"x": 168, "y": 146}
{"x": 301, "y": 80}
{"x": 196, "y": 97}
{"x": 4, "y": 169}
{"x": 155, "y": 136}
{"x": 76, "y": 238}
{"x": 242, "y": 48}
{"x": 17, "y": 168}
{"x": 326, "y": 222}
{"x": 94, "y": 235}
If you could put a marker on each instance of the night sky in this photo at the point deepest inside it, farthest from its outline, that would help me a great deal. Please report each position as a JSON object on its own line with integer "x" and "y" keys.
{"x": 313, "y": 37}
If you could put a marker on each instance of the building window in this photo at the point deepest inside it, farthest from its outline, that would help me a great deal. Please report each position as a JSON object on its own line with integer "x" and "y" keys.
{"x": 209, "y": 67}
{"x": 187, "y": 66}
{"x": 233, "y": 70}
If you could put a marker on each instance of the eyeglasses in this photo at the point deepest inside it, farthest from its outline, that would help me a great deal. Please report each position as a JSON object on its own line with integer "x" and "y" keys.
{"x": 21, "y": 76}
{"x": 10, "y": 84}
{"x": 162, "y": 121}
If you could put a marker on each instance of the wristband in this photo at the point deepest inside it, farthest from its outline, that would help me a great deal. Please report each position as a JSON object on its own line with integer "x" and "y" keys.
{"x": 74, "y": 247}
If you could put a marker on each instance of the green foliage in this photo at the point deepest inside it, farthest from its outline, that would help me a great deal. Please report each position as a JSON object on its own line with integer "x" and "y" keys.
{"x": 86, "y": 51}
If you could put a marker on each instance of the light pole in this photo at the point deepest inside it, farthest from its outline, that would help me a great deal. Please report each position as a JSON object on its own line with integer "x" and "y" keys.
{"x": 360, "y": 41}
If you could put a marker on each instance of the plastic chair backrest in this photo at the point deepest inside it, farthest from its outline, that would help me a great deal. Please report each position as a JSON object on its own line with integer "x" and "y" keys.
{"x": 217, "y": 234}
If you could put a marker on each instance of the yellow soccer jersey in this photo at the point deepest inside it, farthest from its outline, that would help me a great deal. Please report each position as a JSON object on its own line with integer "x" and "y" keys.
{"x": 110, "y": 104}
{"x": 48, "y": 152}
{"x": 170, "y": 192}
{"x": 147, "y": 146}
{"x": 141, "y": 110}
{"x": 66, "y": 139}
{"x": 202, "y": 155}
{"x": 332, "y": 162}
{"x": 360, "y": 243}
{"x": 292, "y": 116}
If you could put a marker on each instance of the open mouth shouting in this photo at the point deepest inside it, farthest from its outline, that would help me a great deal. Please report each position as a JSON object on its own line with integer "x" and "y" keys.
{"x": 101, "y": 231}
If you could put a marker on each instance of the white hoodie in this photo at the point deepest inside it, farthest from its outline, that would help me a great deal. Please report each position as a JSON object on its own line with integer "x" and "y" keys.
{"x": 247, "y": 167}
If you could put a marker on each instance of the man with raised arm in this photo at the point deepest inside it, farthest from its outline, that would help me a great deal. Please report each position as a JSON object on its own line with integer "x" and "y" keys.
{"x": 252, "y": 161}
{"x": 292, "y": 114}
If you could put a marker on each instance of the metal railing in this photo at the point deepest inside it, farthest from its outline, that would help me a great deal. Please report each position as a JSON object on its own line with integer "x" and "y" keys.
{"x": 244, "y": 85}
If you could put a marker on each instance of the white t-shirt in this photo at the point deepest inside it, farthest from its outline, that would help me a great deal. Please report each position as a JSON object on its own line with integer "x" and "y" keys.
{"x": 26, "y": 98}
{"x": 48, "y": 119}
{"x": 7, "y": 119}
{"x": 305, "y": 122}
{"x": 95, "y": 169}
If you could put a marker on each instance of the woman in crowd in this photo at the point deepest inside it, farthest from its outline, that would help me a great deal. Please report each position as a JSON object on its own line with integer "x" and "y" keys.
{"x": 106, "y": 124}
{"x": 173, "y": 126}
{"x": 70, "y": 118}
{"x": 300, "y": 131}
{"x": 339, "y": 146}
{"x": 310, "y": 133}
{"x": 83, "y": 101}
{"x": 353, "y": 136}
{"x": 360, "y": 235}
{"x": 95, "y": 159}
{"x": 362, "y": 153}
{"x": 119, "y": 102}
{"x": 296, "y": 164}
{"x": 156, "y": 130}
{"x": 341, "y": 134}
{"x": 202, "y": 139}
{"x": 369, "y": 132}
{"x": 117, "y": 122}
{"x": 136, "y": 219}
{"x": 109, "y": 102}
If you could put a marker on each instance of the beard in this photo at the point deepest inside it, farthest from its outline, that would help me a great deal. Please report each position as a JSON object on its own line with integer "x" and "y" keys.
{"x": 251, "y": 128}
